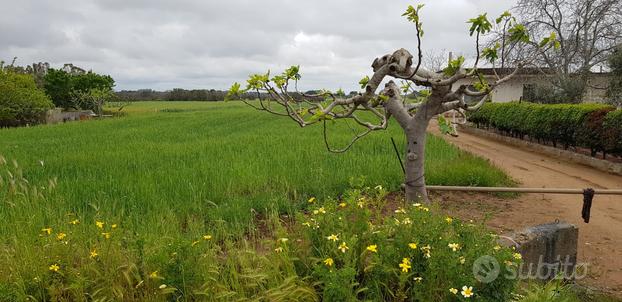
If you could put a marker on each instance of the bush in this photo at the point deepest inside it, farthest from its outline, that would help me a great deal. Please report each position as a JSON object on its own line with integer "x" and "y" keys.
{"x": 612, "y": 127}
{"x": 591, "y": 134}
{"x": 354, "y": 252}
{"x": 579, "y": 125}
{"x": 21, "y": 102}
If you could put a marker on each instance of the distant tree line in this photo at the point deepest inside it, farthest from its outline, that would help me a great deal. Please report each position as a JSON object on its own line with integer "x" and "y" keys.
{"x": 201, "y": 95}
{"x": 177, "y": 94}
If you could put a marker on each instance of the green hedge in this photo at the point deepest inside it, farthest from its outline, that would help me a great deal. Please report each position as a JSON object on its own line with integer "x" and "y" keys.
{"x": 612, "y": 128}
{"x": 21, "y": 102}
{"x": 594, "y": 126}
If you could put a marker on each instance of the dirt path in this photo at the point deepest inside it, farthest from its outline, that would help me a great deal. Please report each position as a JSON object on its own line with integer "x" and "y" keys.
{"x": 600, "y": 242}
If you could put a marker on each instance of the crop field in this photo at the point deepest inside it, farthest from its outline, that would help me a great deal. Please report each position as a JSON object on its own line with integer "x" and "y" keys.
{"x": 170, "y": 172}
{"x": 215, "y": 160}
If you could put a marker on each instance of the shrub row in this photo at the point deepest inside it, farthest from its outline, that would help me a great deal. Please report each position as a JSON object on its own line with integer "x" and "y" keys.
{"x": 613, "y": 130}
{"x": 597, "y": 127}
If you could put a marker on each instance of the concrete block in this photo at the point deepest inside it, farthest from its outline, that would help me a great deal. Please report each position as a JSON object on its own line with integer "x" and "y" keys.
{"x": 548, "y": 250}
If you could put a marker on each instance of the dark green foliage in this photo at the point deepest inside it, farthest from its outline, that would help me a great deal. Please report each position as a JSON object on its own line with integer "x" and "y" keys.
{"x": 178, "y": 94}
{"x": 612, "y": 128}
{"x": 580, "y": 125}
{"x": 90, "y": 80}
{"x": 62, "y": 87}
{"x": 591, "y": 135}
{"x": 21, "y": 102}
{"x": 58, "y": 86}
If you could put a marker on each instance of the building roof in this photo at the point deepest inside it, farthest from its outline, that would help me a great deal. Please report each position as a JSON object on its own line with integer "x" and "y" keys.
{"x": 525, "y": 71}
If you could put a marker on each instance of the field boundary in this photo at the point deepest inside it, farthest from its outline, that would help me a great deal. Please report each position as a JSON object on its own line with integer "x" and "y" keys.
{"x": 602, "y": 165}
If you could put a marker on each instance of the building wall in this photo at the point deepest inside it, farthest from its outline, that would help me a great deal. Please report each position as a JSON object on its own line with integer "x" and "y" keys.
{"x": 597, "y": 89}
{"x": 512, "y": 90}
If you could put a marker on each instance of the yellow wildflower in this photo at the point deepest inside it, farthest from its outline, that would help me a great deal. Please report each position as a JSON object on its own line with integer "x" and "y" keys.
{"x": 426, "y": 251}
{"x": 207, "y": 237}
{"x": 517, "y": 256}
{"x": 400, "y": 210}
{"x": 407, "y": 221}
{"x": 48, "y": 231}
{"x": 195, "y": 242}
{"x": 418, "y": 279}
{"x": 93, "y": 254}
{"x": 508, "y": 263}
{"x": 496, "y": 248}
{"x": 416, "y": 205}
{"x": 321, "y": 210}
{"x": 106, "y": 235}
{"x": 306, "y": 224}
{"x": 360, "y": 204}
{"x": 379, "y": 188}
{"x": 283, "y": 240}
{"x": 333, "y": 237}
{"x": 412, "y": 245}
{"x": 343, "y": 205}
{"x": 99, "y": 224}
{"x": 373, "y": 248}
{"x": 153, "y": 275}
{"x": 405, "y": 265}
{"x": 462, "y": 260}
{"x": 467, "y": 292}
{"x": 75, "y": 222}
{"x": 449, "y": 219}
{"x": 343, "y": 247}
{"x": 311, "y": 200}
{"x": 114, "y": 226}
{"x": 329, "y": 262}
{"x": 54, "y": 267}
{"x": 163, "y": 286}
{"x": 454, "y": 246}
{"x": 61, "y": 236}
{"x": 278, "y": 249}
{"x": 425, "y": 209}
{"x": 453, "y": 291}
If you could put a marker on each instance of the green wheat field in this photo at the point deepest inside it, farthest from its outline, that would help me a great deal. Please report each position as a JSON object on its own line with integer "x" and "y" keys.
{"x": 168, "y": 173}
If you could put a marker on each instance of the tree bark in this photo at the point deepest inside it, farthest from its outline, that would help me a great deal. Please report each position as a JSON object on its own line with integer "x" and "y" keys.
{"x": 415, "y": 158}
{"x": 415, "y": 130}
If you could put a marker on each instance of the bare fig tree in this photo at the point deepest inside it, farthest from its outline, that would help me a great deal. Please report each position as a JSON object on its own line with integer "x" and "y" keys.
{"x": 440, "y": 94}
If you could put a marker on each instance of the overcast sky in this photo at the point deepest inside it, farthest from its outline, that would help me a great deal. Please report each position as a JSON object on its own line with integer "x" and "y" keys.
{"x": 164, "y": 44}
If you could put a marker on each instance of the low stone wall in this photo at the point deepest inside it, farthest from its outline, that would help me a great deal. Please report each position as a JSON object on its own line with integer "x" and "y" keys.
{"x": 549, "y": 251}
{"x": 603, "y": 165}
{"x": 55, "y": 116}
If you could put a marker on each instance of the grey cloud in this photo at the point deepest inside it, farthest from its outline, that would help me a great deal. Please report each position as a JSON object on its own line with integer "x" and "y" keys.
{"x": 196, "y": 43}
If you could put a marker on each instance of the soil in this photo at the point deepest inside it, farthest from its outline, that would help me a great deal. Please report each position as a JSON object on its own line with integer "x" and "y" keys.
{"x": 599, "y": 241}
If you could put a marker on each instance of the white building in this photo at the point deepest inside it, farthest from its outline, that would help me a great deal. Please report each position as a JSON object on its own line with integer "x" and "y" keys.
{"x": 528, "y": 78}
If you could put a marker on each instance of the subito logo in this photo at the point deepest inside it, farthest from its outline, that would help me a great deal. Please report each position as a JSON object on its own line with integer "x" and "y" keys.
{"x": 486, "y": 269}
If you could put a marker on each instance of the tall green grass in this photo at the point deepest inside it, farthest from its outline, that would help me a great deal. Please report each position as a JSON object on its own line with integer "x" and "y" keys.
{"x": 167, "y": 174}
{"x": 214, "y": 160}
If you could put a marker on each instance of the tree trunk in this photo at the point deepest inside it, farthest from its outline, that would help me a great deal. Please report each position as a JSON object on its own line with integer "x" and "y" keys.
{"x": 415, "y": 159}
